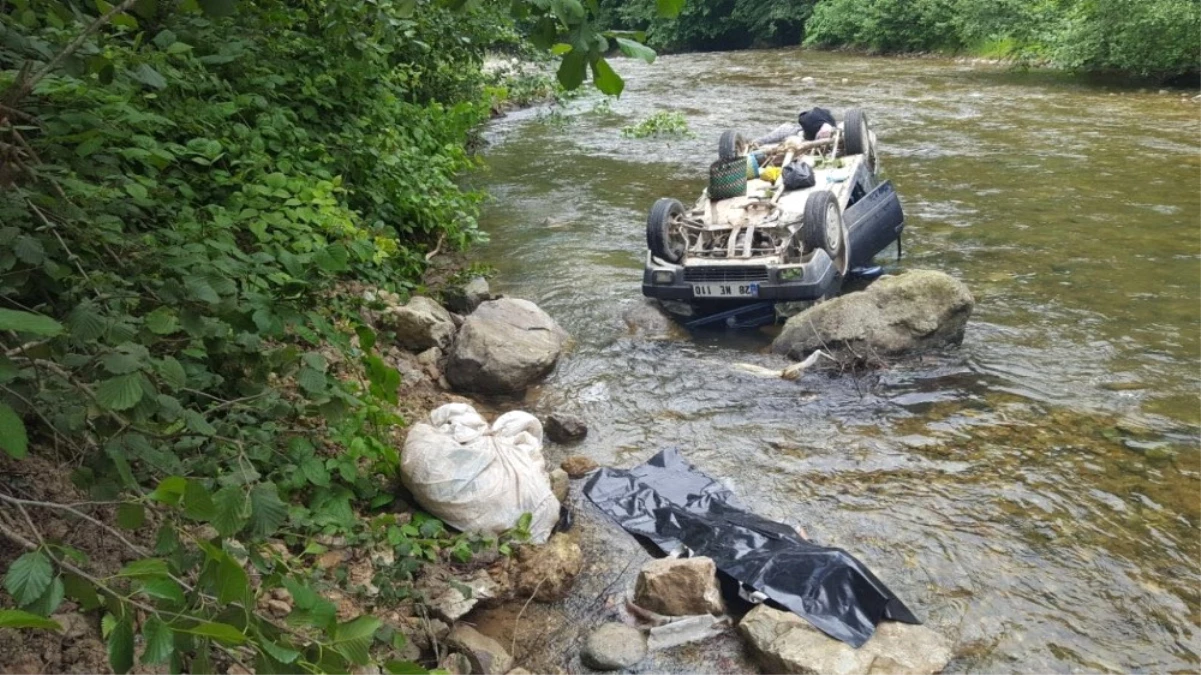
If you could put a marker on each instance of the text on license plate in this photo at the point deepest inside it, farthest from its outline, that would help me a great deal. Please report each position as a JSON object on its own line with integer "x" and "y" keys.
{"x": 747, "y": 290}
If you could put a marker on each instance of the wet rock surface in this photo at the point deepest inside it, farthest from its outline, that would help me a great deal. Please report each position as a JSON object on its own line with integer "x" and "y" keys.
{"x": 783, "y": 642}
{"x": 647, "y": 318}
{"x": 613, "y": 646}
{"x": 565, "y": 427}
{"x": 679, "y": 587}
{"x": 420, "y": 324}
{"x": 504, "y": 346}
{"x": 915, "y": 311}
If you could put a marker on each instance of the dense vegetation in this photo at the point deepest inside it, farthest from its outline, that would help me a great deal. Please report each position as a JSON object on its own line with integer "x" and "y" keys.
{"x": 1160, "y": 38}
{"x": 194, "y": 195}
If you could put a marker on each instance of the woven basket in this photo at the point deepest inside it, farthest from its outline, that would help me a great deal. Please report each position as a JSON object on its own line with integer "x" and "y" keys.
{"x": 727, "y": 178}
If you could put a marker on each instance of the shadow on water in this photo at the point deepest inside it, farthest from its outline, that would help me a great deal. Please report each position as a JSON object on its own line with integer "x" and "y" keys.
{"x": 1035, "y": 493}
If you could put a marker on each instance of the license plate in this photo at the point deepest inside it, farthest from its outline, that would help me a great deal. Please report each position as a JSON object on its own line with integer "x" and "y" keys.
{"x": 747, "y": 290}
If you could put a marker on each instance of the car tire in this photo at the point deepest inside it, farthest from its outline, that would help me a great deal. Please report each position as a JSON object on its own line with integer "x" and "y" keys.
{"x": 663, "y": 235}
{"x": 731, "y": 145}
{"x": 856, "y": 133}
{"x": 821, "y": 223}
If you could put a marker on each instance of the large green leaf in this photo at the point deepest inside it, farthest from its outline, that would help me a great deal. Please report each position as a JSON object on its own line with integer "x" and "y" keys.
{"x": 170, "y": 490}
{"x": 669, "y": 9}
{"x": 28, "y": 577}
{"x": 277, "y": 651}
{"x": 231, "y": 510}
{"x": 572, "y": 69}
{"x": 159, "y": 641}
{"x": 221, "y": 632}
{"x": 232, "y": 581}
{"x": 28, "y": 322}
{"x": 49, "y": 600}
{"x": 12, "y": 433}
{"x": 606, "y": 79}
{"x": 353, "y": 638}
{"x": 120, "y": 646}
{"x": 145, "y": 568}
{"x": 267, "y": 512}
{"x": 120, "y": 393}
{"x": 198, "y": 502}
{"x": 15, "y": 618}
{"x": 164, "y": 589}
{"x": 636, "y": 50}
{"x": 131, "y": 516}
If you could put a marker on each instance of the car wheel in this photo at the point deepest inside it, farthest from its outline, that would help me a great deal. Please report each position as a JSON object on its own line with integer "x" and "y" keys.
{"x": 665, "y": 235}
{"x": 731, "y": 145}
{"x": 821, "y": 224}
{"x": 856, "y": 133}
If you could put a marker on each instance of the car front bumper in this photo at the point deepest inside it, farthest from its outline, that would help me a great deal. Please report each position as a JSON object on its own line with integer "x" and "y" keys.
{"x": 819, "y": 278}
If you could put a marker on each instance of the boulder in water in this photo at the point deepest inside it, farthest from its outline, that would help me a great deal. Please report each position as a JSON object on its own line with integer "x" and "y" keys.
{"x": 504, "y": 346}
{"x": 783, "y": 642}
{"x": 914, "y": 311}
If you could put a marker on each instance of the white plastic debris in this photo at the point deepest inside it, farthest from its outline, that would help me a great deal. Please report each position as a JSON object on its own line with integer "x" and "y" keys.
{"x": 480, "y": 478}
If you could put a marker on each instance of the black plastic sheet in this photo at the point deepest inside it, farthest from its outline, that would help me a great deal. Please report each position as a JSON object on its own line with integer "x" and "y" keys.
{"x": 674, "y": 505}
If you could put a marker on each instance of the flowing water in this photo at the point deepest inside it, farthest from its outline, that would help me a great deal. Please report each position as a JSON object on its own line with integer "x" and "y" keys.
{"x": 1034, "y": 494}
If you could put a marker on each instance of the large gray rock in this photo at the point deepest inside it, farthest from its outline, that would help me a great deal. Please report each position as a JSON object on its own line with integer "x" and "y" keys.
{"x": 614, "y": 646}
{"x": 485, "y": 654}
{"x": 917, "y": 310}
{"x": 783, "y": 642}
{"x": 504, "y": 346}
{"x": 679, "y": 587}
{"x": 420, "y": 324}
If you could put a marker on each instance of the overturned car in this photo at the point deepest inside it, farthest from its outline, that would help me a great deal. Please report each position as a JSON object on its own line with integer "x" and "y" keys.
{"x": 786, "y": 218}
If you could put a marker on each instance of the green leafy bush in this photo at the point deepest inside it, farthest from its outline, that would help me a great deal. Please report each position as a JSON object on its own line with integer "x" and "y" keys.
{"x": 662, "y": 123}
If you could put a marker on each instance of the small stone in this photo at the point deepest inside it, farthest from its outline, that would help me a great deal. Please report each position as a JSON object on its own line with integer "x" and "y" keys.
{"x": 331, "y": 559}
{"x": 578, "y": 466}
{"x": 430, "y": 357}
{"x": 844, "y": 81}
{"x": 519, "y": 671}
{"x": 455, "y": 663}
{"x": 679, "y": 587}
{"x": 485, "y": 654}
{"x": 565, "y": 428}
{"x": 808, "y": 80}
{"x": 279, "y": 607}
{"x": 614, "y": 646}
{"x": 75, "y": 625}
{"x": 684, "y": 630}
{"x": 560, "y": 485}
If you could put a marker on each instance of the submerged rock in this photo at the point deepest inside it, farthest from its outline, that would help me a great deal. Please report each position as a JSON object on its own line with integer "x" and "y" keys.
{"x": 504, "y": 346}
{"x": 614, "y": 646}
{"x": 783, "y": 642}
{"x": 560, "y": 484}
{"x": 648, "y": 318}
{"x": 917, "y": 310}
{"x": 679, "y": 587}
{"x": 420, "y": 324}
{"x": 485, "y": 654}
{"x": 565, "y": 428}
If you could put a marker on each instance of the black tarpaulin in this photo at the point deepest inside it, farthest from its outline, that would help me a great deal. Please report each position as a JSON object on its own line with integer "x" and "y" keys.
{"x": 674, "y": 505}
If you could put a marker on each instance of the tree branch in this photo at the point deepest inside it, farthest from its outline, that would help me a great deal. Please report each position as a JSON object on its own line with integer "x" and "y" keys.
{"x": 26, "y": 84}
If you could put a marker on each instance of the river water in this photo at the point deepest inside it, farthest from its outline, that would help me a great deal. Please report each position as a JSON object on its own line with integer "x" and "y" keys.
{"x": 1034, "y": 494}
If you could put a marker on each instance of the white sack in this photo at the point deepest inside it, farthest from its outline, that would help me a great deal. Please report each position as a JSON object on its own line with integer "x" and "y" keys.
{"x": 478, "y": 478}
